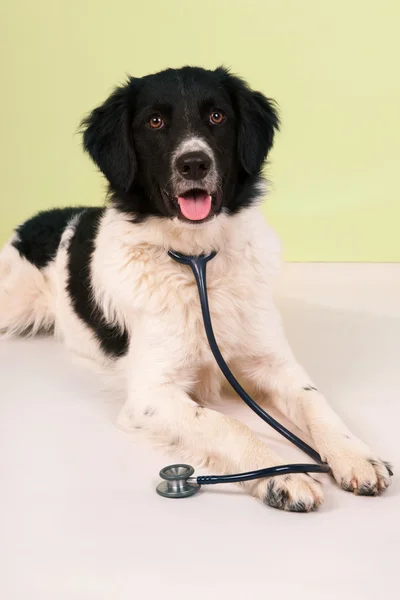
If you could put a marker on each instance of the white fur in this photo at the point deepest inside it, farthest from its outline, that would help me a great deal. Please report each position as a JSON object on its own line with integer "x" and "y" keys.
{"x": 169, "y": 374}
{"x": 26, "y": 295}
{"x": 193, "y": 144}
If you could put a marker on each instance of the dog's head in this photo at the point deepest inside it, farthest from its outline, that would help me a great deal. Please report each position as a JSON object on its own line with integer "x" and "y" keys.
{"x": 183, "y": 144}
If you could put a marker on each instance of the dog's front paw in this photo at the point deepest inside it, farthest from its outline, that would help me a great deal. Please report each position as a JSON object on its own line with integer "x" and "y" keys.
{"x": 361, "y": 473}
{"x": 297, "y": 493}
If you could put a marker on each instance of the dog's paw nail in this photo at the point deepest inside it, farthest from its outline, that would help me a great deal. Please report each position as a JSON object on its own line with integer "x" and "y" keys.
{"x": 362, "y": 476}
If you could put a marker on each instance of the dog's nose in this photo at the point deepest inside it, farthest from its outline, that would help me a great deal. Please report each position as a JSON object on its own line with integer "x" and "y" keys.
{"x": 193, "y": 165}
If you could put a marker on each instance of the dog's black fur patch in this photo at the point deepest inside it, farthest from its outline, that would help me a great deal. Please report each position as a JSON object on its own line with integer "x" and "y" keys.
{"x": 112, "y": 340}
{"x": 137, "y": 160}
{"x": 278, "y": 497}
{"x": 367, "y": 489}
{"x": 39, "y": 237}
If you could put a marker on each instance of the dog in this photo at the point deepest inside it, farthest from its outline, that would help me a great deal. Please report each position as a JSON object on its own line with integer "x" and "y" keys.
{"x": 183, "y": 152}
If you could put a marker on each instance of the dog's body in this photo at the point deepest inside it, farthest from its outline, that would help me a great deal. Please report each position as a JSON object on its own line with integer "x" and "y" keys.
{"x": 182, "y": 151}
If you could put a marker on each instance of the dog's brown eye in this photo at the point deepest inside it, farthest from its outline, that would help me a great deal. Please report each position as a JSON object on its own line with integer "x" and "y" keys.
{"x": 217, "y": 117}
{"x": 156, "y": 122}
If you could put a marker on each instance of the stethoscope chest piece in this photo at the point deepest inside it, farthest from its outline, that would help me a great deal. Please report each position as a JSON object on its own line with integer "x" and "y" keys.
{"x": 176, "y": 484}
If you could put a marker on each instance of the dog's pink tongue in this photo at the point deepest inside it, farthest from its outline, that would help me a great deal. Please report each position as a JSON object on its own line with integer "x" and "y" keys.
{"x": 196, "y": 207}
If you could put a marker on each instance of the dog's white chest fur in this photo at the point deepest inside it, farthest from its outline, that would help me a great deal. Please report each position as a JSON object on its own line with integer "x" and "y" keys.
{"x": 137, "y": 279}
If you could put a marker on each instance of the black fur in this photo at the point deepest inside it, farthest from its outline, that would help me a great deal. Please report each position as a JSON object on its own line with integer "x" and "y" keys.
{"x": 257, "y": 121}
{"x": 39, "y": 237}
{"x": 108, "y": 137}
{"x": 278, "y": 497}
{"x": 137, "y": 160}
{"x": 346, "y": 486}
{"x": 368, "y": 489}
{"x": 113, "y": 341}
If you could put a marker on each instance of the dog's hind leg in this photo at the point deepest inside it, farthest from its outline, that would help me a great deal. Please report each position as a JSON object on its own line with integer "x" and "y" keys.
{"x": 26, "y": 297}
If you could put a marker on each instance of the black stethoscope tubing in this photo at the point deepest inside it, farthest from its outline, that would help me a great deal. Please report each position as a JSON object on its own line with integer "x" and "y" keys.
{"x": 198, "y": 264}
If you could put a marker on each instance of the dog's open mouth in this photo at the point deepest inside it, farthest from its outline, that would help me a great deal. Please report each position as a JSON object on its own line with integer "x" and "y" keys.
{"x": 195, "y": 204}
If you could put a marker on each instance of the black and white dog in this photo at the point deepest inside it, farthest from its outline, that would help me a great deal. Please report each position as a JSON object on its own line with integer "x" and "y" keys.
{"x": 182, "y": 151}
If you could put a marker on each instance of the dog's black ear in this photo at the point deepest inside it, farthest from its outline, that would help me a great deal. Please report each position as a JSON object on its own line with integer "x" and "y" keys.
{"x": 107, "y": 137}
{"x": 258, "y": 121}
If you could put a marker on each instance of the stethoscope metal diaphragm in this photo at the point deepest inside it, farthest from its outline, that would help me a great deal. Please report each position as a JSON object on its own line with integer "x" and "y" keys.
{"x": 176, "y": 482}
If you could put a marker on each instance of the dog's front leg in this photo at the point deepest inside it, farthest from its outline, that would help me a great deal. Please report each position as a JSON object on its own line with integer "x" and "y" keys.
{"x": 274, "y": 370}
{"x": 159, "y": 378}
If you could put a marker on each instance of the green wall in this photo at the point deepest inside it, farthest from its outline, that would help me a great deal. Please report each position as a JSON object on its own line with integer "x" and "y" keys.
{"x": 332, "y": 66}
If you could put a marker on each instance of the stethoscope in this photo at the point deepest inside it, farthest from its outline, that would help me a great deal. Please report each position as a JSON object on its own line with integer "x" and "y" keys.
{"x": 179, "y": 480}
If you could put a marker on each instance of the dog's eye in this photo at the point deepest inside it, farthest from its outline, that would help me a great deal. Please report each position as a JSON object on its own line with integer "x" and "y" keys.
{"x": 217, "y": 117}
{"x": 156, "y": 122}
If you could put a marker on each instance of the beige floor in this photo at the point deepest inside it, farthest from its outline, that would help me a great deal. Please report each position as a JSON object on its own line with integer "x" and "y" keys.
{"x": 79, "y": 517}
